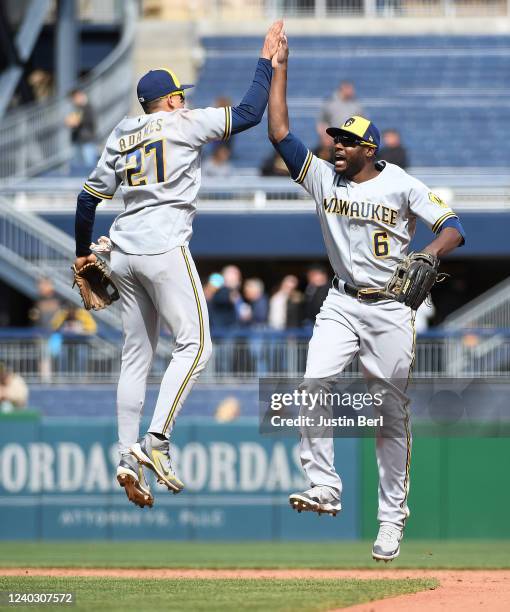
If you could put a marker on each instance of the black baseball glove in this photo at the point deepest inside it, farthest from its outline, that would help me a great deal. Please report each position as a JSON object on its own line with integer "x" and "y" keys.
{"x": 413, "y": 279}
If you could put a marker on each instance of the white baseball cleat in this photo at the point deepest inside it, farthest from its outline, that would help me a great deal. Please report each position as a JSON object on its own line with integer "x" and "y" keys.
{"x": 154, "y": 454}
{"x": 387, "y": 545}
{"x": 317, "y": 499}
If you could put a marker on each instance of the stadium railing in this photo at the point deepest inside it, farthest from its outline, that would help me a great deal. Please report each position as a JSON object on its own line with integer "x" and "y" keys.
{"x": 70, "y": 358}
{"x": 230, "y": 10}
{"x": 35, "y": 138}
{"x": 467, "y": 189}
{"x": 489, "y": 310}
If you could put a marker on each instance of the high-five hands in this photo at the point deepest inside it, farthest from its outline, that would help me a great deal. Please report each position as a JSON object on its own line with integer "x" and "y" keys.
{"x": 273, "y": 40}
{"x": 282, "y": 55}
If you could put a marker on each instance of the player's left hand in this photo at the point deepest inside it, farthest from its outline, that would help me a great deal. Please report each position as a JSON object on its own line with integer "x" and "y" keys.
{"x": 272, "y": 40}
{"x": 413, "y": 279}
{"x": 79, "y": 262}
{"x": 282, "y": 55}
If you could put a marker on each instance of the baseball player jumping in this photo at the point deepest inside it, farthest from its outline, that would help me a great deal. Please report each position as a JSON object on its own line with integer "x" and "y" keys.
{"x": 154, "y": 159}
{"x": 367, "y": 212}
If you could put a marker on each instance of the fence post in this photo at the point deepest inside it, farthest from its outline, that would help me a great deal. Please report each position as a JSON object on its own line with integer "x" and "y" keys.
{"x": 370, "y": 8}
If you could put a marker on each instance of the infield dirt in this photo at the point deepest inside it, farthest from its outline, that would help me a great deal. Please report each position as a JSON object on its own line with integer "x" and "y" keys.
{"x": 465, "y": 590}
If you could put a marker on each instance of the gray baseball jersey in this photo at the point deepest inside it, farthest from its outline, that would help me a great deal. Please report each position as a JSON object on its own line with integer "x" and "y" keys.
{"x": 155, "y": 161}
{"x": 367, "y": 226}
{"x": 367, "y": 229}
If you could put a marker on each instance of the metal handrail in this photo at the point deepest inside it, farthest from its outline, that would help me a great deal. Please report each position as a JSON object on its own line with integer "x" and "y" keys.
{"x": 241, "y": 360}
{"x": 489, "y": 310}
{"x": 40, "y": 249}
{"x": 35, "y": 138}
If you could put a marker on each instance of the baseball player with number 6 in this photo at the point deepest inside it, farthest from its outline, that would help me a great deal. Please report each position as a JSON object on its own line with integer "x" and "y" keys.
{"x": 154, "y": 159}
{"x": 367, "y": 211}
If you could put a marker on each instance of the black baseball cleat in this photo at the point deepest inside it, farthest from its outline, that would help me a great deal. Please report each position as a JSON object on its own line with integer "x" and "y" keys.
{"x": 317, "y": 499}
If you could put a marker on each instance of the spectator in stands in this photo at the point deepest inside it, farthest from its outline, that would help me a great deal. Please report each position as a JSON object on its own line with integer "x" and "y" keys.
{"x": 254, "y": 314}
{"x": 274, "y": 166}
{"x": 41, "y": 83}
{"x": 74, "y": 325}
{"x": 256, "y": 310}
{"x": 74, "y": 320}
{"x": 342, "y": 105}
{"x": 286, "y": 305}
{"x": 13, "y": 391}
{"x": 42, "y": 314}
{"x": 315, "y": 292}
{"x": 211, "y": 286}
{"x": 392, "y": 150}
{"x": 226, "y": 303}
{"x": 218, "y": 164}
{"x": 46, "y": 306}
{"x": 82, "y": 123}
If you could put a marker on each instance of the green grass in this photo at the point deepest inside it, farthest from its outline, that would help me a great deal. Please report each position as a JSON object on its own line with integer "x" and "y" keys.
{"x": 415, "y": 554}
{"x": 196, "y": 595}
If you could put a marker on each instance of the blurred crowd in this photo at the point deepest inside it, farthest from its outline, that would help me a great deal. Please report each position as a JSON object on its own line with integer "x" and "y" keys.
{"x": 342, "y": 104}
{"x": 237, "y": 303}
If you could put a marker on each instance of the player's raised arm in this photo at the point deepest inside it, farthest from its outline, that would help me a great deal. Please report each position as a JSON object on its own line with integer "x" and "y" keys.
{"x": 250, "y": 110}
{"x": 200, "y": 126}
{"x": 278, "y": 112}
{"x": 294, "y": 153}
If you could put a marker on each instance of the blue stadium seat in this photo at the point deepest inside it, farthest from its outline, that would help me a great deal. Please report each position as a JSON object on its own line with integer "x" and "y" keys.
{"x": 439, "y": 91}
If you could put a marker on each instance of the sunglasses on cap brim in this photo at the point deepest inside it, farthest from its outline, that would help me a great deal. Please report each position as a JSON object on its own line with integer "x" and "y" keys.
{"x": 351, "y": 141}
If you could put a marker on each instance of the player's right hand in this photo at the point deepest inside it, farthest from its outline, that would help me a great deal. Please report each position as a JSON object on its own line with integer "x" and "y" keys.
{"x": 272, "y": 40}
{"x": 79, "y": 262}
{"x": 281, "y": 57}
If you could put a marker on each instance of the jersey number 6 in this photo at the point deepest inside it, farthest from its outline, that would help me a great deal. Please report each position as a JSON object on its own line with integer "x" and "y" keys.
{"x": 381, "y": 244}
{"x": 136, "y": 163}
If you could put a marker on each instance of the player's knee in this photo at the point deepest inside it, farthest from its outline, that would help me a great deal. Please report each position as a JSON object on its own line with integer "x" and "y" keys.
{"x": 206, "y": 353}
{"x": 201, "y": 348}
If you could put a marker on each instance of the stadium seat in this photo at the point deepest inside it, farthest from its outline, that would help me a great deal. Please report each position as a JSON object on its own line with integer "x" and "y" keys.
{"x": 438, "y": 91}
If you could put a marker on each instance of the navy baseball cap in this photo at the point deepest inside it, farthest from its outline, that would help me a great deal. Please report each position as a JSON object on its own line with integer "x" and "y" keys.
{"x": 157, "y": 84}
{"x": 362, "y": 128}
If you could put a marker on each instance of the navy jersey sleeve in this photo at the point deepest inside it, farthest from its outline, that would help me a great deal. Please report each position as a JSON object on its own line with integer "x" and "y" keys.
{"x": 84, "y": 222}
{"x": 250, "y": 110}
{"x": 294, "y": 154}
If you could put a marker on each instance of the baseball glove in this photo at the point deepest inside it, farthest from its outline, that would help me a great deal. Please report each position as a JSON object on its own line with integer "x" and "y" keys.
{"x": 413, "y": 279}
{"x": 96, "y": 288}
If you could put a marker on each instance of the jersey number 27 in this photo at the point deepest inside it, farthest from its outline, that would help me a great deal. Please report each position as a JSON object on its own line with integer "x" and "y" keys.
{"x": 137, "y": 162}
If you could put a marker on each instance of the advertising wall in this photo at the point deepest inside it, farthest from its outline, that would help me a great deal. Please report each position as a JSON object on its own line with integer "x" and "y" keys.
{"x": 57, "y": 480}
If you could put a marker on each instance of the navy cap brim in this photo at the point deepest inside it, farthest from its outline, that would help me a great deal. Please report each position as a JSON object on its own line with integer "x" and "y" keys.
{"x": 334, "y": 131}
